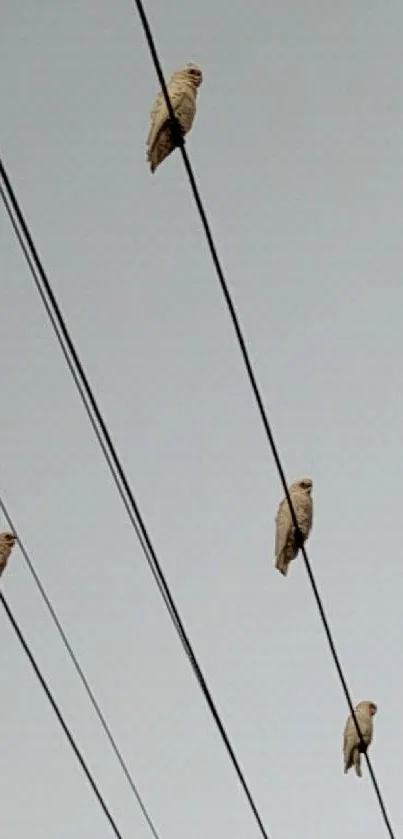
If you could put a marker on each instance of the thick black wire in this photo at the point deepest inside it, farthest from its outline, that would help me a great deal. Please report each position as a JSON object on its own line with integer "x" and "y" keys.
{"x": 63, "y": 724}
{"x": 149, "y": 551}
{"x": 78, "y": 668}
{"x": 253, "y": 381}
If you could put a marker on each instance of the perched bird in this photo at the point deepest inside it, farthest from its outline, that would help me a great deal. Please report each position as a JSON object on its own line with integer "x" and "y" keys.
{"x": 352, "y": 747}
{"x": 287, "y": 543}
{"x": 7, "y": 542}
{"x": 182, "y": 88}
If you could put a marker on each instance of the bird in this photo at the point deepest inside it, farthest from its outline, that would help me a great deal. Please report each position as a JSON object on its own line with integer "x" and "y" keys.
{"x": 7, "y": 542}
{"x": 288, "y": 542}
{"x": 182, "y": 89}
{"x": 352, "y": 747}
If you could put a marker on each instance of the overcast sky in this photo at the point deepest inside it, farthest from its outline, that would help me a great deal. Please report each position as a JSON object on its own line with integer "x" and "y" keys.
{"x": 297, "y": 148}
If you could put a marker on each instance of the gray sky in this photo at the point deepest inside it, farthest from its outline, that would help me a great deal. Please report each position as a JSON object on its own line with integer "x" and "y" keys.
{"x": 297, "y": 147}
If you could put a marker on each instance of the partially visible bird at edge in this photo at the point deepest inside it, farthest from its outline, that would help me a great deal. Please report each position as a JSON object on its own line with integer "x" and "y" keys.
{"x": 182, "y": 89}
{"x": 7, "y": 542}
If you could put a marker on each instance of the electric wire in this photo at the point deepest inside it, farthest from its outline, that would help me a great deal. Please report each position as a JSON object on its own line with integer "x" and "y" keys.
{"x": 66, "y": 345}
{"x": 39, "y": 276}
{"x": 180, "y": 141}
{"x": 78, "y": 668}
{"x": 59, "y": 716}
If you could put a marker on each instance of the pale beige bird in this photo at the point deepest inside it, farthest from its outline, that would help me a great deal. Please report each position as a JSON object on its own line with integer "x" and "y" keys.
{"x": 287, "y": 544}
{"x": 7, "y": 542}
{"x": 182, "y": 88}
{"x": 352, "y": 747}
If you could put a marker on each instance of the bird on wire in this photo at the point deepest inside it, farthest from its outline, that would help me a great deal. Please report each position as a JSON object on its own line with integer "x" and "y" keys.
{"x": 288, "y": 540}
{"x": 353, "y": 748}
{"x": 162, "y": 137}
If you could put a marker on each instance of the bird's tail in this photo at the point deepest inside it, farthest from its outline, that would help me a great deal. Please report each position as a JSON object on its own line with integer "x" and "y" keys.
{"x": 152, "y": 162}
{"x": 357, "y": 763}
{"x": 281, "y": 564}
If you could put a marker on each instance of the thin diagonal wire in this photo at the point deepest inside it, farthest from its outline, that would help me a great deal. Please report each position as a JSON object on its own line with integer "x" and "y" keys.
{"x": 150, "y": 553}
{"x": 78, "y": 668}
{"x": 59, "y": 716}
{"x": 253, "y": 381}
{"x": 82, "y": 389}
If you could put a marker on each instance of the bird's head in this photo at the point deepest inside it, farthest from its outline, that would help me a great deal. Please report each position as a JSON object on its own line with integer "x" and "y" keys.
{"x": 9, "y": 538}
{"x": 194, "y": 74}
{"x": 371, "y": 707}
{"x": 306, "y": 484}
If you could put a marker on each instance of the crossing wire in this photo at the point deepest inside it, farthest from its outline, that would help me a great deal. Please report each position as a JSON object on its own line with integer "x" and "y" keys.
{"x": 180, "y": 142}
{"x": 59, "y": 716}
{"x": 78, "y": 668}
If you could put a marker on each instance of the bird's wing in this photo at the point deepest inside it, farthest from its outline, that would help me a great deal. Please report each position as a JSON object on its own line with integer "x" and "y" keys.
{"x": 160, "y": 114}
{"x": 283, "y": 527}
{"x": 350, "y": 739}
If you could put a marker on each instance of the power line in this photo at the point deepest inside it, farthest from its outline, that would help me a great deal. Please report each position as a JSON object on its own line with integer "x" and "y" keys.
{"x": 253, "y": 381}
{"x": 90, "y": 405}
{"x": 78, "y": 669}
{"x": 59, "y": 716}
{"x": 42, "y": 283}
